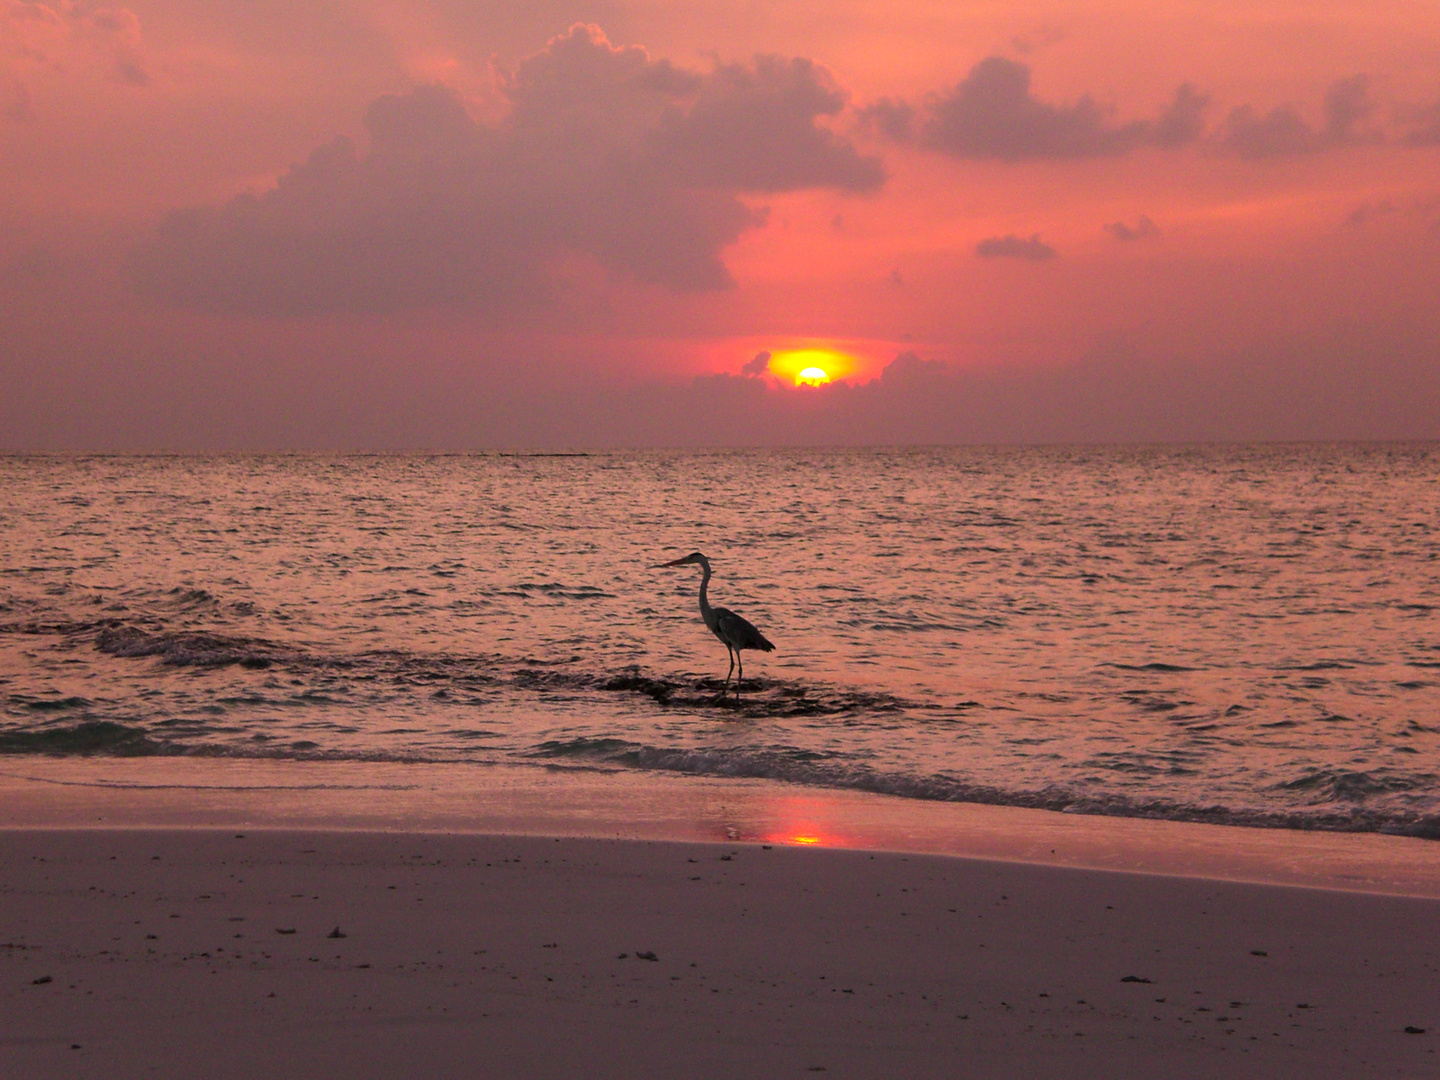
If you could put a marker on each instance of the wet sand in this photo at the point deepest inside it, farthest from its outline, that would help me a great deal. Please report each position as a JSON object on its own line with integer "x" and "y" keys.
{"x": 200, "y": 952}
{"x": 223, "y": 793}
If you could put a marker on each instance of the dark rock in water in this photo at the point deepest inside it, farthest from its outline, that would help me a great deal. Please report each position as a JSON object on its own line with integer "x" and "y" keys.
{"x": 636, "y": 683}
{"x": 1134, "y": 979}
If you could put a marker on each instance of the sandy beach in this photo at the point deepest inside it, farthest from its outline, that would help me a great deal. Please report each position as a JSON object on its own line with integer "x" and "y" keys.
{"x": 195, "y": 952}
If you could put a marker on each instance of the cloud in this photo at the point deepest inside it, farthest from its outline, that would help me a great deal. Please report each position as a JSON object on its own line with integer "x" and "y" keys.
{"x": 753, "y": 128}
{"x": 890, "y": 118}
{"x": 1141, "y": 230}
{"x": 757, "y": 365}
{"x": 991, "y": 113}
{"x": 1011, "y": 246}
{"x": 1367, "y": 212}
{"x": 1347, "y": 104}
{"x": 910, "y": 369}
{"x": 609, "y": 155}
{"x": 1426, "y": 131}
{"x": 1283, "y": 132}
{"x": 66, "y": 35}
{"x": 1183, "y": 120}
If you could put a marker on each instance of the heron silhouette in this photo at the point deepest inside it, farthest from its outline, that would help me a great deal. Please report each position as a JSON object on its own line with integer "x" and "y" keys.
{"x": 734, "y": 632}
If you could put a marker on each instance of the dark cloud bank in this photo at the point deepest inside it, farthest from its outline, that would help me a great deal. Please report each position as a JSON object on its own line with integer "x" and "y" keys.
{"x": 1349, "y": 383}
{"x": 606, "y": 154}
{"x": 1346, "y": 382}
{"x": 1283, "y": 132}
{"x": 993, "y": 114}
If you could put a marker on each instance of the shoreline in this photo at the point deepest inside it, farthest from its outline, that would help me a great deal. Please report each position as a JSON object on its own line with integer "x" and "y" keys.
{"x": 504, "y": 800}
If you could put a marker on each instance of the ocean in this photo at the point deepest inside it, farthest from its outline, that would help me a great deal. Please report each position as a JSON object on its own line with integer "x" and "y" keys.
{"x": 1233, "y": 634}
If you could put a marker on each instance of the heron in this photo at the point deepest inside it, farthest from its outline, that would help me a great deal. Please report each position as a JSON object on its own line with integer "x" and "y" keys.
{"x": 734, "y": 632}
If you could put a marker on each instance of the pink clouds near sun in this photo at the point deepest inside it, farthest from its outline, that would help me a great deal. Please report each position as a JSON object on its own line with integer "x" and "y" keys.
{"x": 1093, "y": 203}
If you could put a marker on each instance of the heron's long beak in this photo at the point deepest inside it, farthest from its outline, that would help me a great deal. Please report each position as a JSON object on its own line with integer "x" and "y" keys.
{"x": 663, "y": 565}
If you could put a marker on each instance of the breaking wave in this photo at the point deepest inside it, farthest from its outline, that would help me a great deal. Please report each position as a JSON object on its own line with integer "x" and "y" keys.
{"x": 183, "y": 648}
{"x": 88, "y": 738}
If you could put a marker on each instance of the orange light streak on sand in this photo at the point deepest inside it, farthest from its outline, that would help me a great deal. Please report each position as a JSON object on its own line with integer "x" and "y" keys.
{"x": 803, "y": 822}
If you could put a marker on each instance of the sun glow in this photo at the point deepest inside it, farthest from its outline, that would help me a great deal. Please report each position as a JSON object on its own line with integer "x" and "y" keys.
{"x": 811, "y": 367}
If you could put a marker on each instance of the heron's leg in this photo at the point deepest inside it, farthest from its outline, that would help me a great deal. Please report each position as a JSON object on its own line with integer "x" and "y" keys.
{"x": 731, "y": 651}
{"x": 741, "y": 680}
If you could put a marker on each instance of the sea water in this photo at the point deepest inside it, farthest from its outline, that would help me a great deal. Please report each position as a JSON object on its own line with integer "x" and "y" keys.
{"x": 1238, "y": 634}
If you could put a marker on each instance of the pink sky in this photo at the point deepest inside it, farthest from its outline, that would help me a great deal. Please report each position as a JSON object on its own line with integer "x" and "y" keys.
{"x": 536, "y": 223}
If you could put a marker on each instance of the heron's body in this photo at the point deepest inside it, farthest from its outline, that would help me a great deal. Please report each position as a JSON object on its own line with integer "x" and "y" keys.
{"x": 735, "y": 632}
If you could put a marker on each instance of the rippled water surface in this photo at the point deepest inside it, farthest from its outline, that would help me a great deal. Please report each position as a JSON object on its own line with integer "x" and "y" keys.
{"x": 1241, "y": 634}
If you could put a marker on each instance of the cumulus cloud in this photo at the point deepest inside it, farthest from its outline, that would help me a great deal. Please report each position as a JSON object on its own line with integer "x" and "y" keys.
{"x": 607, "y": 153}
{"x": 1183, "y": 120}
{"x": 757, "y": 365}
{"x": 1011, "y": 246}
{"x": 1141, "y": 230}
{"x": 992, "y": 113}
{"x": 1283, "y": 132}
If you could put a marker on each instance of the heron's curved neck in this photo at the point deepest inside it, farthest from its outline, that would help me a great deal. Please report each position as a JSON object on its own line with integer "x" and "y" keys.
{"x": 704, "y": 583}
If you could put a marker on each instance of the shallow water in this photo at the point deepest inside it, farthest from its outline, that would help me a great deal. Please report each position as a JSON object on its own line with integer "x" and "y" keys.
{"x": 1235, "y": 634}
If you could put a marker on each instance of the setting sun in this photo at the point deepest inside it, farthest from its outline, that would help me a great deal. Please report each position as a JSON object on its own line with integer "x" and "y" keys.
{"x": 813, "y": 366}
